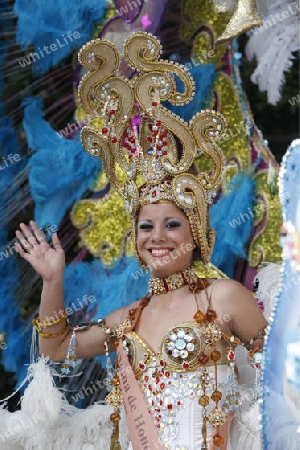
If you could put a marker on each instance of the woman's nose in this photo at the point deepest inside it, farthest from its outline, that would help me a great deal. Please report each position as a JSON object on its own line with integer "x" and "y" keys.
{"x": 159, "y": 234}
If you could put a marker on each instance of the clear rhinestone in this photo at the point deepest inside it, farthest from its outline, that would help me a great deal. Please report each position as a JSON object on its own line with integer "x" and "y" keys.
{"x": 91, "y": 57}
{"x": 180, "y": 344}
{"x": 176, "y": 353}
{"x": 171, "y": 346}
{"x": 184, "y": 354}
{"x": 173, "y": 337}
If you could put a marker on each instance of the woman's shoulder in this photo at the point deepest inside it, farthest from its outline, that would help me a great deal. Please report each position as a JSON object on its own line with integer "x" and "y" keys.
{"x": 229, "y": 289}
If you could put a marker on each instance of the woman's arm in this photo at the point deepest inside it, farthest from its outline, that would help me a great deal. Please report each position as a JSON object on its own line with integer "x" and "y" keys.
{"x": 49, "y": 263}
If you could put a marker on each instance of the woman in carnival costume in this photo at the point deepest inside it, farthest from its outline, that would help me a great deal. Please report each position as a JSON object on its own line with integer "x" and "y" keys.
{"x": 175, "y": 370}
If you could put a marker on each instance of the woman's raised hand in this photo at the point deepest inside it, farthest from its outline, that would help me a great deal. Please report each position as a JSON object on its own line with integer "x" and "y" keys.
{"x": 47, "y": 261}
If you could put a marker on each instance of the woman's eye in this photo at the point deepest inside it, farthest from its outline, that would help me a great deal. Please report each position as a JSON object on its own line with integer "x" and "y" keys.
{"x": 173, "y": 224}
{"x": 145, "y": 226}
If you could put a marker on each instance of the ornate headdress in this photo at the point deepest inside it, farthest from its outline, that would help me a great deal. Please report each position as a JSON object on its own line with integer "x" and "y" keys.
{"x": 148, "y": 151}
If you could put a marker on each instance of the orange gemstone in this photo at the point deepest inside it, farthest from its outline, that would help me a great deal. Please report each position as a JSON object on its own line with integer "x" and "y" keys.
{"x": 203, "y": 359}
{"x": 144, "y": 301}
{"x": 216, "y": 396}
{"x": 215, "y": 355}
{"x": 132, "y": 313}
{"x": 211, "y": 315}
{"x": 199, "y": 316}
{"x": 218, "y": 440}
{"x": 115, "y": 417}
{"x": 204, "y": 400}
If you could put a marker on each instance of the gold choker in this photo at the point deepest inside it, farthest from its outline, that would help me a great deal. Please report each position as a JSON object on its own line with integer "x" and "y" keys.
{"x": 175, "y": 281}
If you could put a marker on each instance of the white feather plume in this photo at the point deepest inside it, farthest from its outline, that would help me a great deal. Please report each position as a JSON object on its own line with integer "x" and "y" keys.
{"x": 268, "y": 278}
{"x": 273, "y": 45}
{"x": 46, "y": 420}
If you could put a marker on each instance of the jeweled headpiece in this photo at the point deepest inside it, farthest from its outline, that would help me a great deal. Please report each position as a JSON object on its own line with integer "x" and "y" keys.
{"x": 147, "y": 151}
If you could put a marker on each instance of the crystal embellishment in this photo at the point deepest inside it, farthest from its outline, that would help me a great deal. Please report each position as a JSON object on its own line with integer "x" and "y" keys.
{"x": 178, "y": 343}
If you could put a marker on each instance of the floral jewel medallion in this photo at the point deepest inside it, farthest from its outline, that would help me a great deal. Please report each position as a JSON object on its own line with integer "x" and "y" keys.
{"x": 181, "y": 346}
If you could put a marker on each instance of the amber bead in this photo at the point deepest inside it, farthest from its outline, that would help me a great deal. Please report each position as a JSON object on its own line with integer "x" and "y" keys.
{"x": 132, "y": 313}
{"x": 115, "y": 417}
{"x": 211, "y": 315}
{"x": 203, "y": 359}
{"x": 115, "y": 345}
{"x": 144, "y": 301}
{"x": 199, "y": 316}
{"x": 115, "y": 381}
{"x": 218, "y": 440}
{"x": 216, "y": 396}
{"x": 204, "y": 400}
{"x": 215, "y": 355}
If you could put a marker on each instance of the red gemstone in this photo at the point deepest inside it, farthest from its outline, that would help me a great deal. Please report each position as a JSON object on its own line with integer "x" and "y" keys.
{"x": 167, "y": 374}
{"x": 158, "y": 147}
{"x": 170, "y": 407}
{"x": 149, "y": 139}
{"x": 231, "y": 356}
{"x": 185, "y": 365}
{"x": 154, "y": 103}
{"x": 158, "y": 123}
{"x": 154, "y": 194}
{"x": 162, "y": 385}
{"x": 165, "y": 152}
{"x": 104, "y": 130}
{"x": 112, "y": 112}
{"x": 114, "y": 140}
{"x": 162, "y": 363}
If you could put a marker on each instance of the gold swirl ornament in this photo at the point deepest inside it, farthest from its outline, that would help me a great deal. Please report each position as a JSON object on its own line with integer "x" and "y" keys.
{"x": 106, "y": 94}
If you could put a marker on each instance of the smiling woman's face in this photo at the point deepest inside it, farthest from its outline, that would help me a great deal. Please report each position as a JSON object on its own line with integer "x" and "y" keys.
{"x": 164, "y": 239}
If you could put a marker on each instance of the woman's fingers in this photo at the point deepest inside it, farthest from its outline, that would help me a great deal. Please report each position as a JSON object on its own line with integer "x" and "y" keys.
{"x": 40, "y": 237}
{"x": 23, "y": 242}
{"x": 56, "y": 241}
{"x": 19, "y": 249}
{"x": 29, "y": 236}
